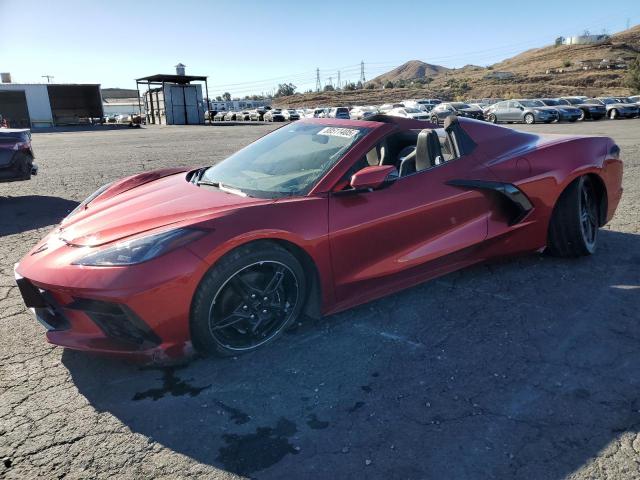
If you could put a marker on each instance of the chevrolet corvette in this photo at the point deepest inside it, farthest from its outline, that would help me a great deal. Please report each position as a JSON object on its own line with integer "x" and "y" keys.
{"x": 316, "y": 217}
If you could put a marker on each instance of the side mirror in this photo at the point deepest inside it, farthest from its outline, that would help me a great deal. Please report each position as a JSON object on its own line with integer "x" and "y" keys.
{"x": 372, "y": 178}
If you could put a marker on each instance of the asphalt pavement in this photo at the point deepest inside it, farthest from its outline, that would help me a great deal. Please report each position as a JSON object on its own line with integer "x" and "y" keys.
{"x": 523, "y": 369}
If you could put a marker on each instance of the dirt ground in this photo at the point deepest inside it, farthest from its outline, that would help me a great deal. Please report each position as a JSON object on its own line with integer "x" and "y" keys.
{"x": 523, "y": 369}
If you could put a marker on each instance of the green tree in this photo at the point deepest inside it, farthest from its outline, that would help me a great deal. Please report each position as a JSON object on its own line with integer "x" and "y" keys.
{"x": 285, "y": 90}
{"x": 370, "y": 86}
{"x": 388, "y": 84}
{"x": 218, "y": 98}
{"x": 632, "y": 78}
{"x": 328, "y": 88}
{"x": 226, "y": 96}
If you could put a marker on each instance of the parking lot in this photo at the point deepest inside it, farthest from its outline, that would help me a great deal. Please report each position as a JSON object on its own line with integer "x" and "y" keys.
{"x": 526, "y": 368}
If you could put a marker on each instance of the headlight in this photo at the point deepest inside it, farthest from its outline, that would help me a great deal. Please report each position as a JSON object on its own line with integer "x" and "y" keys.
{"x": 141, "y": 249}
{"x": 89, "y": 199}
{"x": 538, "y": 111}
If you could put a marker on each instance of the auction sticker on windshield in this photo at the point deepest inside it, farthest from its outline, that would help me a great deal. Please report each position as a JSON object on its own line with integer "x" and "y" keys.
{"x": 338, "y": 132}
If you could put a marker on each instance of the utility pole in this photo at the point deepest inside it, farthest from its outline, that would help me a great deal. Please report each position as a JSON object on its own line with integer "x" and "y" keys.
{"x": 318, "y": 87}
{"x": 362, "y": 79}
{"x": 331, "y": 81}
{"x": 48, "y": 77}
{"x": 338, "y": 79}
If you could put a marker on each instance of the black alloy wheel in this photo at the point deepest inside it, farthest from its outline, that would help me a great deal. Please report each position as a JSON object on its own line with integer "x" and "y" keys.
{"x": 588, "y": 215}
{"x": 253, "y": 305}
{"x": 247, "y": 299}
{"x": 573, "y": 229}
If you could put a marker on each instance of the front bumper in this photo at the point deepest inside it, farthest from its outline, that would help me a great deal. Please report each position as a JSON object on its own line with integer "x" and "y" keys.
{"x": 570, "y": 116}
{"x": 139, "y": 312}
{"x": 550, "y": 117}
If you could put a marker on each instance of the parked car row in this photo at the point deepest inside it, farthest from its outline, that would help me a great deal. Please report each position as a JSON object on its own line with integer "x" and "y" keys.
{"x": 495, "y": 110}
{"x": 123, "y": 119}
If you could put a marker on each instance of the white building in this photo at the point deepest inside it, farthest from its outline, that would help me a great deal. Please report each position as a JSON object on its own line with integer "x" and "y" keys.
{"x": 125, "y": 106}
{"x": 585, "y": 39}
{"x": 26, "y": 105}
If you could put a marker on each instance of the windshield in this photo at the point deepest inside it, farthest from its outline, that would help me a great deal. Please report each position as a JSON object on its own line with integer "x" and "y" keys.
{"x": 412, "y": 110}
{"x": 550, "y": 102}
{"x": 532, "y": 103}
{"x": 609, "y": 101}
{"x": 458, "y": 105}
{"x": 288, "y": 161}
{"x": 574, "y": 101}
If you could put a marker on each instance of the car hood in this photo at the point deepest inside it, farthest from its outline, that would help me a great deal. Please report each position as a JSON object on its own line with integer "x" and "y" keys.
{"x": 622, "y": 105}
{"x": 546, "y": 108}
{"x": 590, "y": 105}
{"x": 158, "y": 203}
{"x": 565, "y": 107}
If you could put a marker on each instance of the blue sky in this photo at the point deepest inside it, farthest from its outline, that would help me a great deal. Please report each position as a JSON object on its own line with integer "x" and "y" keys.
{"x": 251, "y": 46}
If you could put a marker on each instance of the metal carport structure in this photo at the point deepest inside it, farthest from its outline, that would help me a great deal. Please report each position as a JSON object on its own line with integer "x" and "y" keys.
{"x": 161, "y": 80}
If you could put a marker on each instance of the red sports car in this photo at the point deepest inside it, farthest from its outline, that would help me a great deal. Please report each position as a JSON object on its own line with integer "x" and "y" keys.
{"x": 313, "y": 218}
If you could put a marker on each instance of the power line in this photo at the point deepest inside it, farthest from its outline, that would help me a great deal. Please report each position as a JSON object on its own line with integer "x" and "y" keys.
{"x": 306, "y": 79}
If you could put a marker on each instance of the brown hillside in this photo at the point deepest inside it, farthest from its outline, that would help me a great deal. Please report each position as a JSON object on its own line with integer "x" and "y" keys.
{"x": 412, "y": 70}
{"x": 534, "y": 73}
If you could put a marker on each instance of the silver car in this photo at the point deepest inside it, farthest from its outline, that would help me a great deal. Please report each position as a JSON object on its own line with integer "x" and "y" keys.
{"x": 617, "y": 109}
{"x": 521, "y": 111}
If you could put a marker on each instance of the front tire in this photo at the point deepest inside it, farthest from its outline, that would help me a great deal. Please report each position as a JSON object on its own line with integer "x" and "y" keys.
{"x": 247, "y": 299}
{"x": 493, "y": 118}
{"x": 573, "y": 230}
{"x": 613, "y": 115}
{"x": 529, "y": 119}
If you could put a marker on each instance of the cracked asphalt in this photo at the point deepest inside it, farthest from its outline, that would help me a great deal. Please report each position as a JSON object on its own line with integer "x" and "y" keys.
{"x": 525, "y": 369}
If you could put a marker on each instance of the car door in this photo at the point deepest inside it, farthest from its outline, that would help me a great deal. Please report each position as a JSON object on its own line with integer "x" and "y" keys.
{"x": 513, "y": 112}
{"x": 500, "y": 111}
{"x": 396, "y": 236}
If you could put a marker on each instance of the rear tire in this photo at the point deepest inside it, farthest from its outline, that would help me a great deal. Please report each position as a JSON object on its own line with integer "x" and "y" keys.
{"x": 493, "y": 118}
{"x": 583, "y": 115}
{"x": 247, "y": 299}
{"x": 23, "y": 165}
{"x": 613, "y": 115}
{"x": 573, "y": 230}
